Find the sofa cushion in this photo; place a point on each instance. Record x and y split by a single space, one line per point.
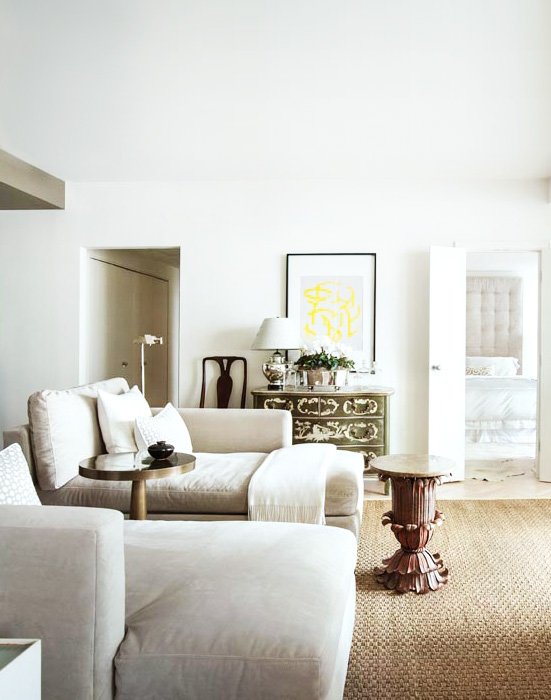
167 425
232 610
218 485
65 429
16 484
117 414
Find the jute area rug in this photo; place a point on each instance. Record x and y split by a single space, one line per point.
486 634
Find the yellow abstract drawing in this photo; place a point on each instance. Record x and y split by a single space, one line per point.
333 308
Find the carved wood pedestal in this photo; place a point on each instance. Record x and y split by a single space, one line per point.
412 520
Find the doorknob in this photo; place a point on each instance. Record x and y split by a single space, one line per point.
124 364
436 367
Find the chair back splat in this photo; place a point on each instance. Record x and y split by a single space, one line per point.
224 384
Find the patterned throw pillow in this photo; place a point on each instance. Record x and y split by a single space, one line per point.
16 484
479 371
167 425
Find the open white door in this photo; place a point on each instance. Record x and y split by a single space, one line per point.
447 355
544 403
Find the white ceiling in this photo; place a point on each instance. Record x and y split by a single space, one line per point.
124 90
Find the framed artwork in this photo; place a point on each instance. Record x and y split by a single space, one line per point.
333 295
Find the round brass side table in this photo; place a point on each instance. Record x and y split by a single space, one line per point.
412 519
137 467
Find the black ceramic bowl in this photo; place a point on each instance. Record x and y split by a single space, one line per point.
160 450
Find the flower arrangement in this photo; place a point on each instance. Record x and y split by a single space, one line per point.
324 354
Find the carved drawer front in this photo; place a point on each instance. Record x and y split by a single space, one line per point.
330 406
361 431
286 403
307 406
362 406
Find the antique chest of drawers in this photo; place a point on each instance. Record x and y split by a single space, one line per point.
352 418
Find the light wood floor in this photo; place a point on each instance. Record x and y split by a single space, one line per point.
522 486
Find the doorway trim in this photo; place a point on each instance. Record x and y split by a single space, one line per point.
543 249
175 301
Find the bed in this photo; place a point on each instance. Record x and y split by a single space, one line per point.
500 409
500 403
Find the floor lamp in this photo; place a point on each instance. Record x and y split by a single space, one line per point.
144 340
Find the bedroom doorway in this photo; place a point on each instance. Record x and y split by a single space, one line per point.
501 364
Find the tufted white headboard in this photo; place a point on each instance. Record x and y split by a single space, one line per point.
494 316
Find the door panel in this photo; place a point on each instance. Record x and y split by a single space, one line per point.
447 355
544 407
123 305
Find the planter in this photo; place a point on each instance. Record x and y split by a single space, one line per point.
325 377
318 377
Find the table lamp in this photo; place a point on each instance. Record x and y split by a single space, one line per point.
277 334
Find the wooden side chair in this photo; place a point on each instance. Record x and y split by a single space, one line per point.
224 384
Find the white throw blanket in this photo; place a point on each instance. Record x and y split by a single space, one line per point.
289 486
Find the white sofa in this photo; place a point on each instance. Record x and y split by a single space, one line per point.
229 445
165 610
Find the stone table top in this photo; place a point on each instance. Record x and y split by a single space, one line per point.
413 465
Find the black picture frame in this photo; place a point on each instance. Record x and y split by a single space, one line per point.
326 291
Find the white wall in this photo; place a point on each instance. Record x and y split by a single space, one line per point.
526 266
233 238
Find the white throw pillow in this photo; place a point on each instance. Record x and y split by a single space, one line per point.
117 414
167 425
16 484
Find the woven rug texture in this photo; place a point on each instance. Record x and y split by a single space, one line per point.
485 635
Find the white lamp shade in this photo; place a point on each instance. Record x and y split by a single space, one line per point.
277 334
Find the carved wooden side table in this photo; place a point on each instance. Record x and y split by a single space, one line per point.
412 520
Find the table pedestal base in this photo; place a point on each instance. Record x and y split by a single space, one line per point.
138 508
412 571
412 520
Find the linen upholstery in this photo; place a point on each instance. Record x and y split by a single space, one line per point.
65 429
237 429
249 597
211 430
344 488
62 581
218 484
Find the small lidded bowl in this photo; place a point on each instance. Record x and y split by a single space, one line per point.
160 450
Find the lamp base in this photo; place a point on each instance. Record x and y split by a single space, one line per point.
276 387
275 370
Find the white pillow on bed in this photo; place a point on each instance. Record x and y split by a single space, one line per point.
502 366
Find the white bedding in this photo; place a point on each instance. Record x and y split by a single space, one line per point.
500 409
